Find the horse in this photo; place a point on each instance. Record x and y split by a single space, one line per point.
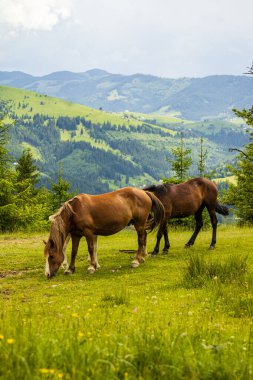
104 214
185 199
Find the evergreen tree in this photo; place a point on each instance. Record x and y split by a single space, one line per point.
8 208
4 159
202 159
241 193
60 191
181 162
26 168
20 206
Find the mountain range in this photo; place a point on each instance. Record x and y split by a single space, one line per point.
190 98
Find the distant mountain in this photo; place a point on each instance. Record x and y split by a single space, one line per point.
192 98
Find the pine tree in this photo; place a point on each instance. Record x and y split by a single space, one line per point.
26 168
241 193
181 162
202 159
4 158
60 191
20 205
8 208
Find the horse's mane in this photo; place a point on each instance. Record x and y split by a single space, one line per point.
158 189
58 232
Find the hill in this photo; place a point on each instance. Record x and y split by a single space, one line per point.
100 151
192 98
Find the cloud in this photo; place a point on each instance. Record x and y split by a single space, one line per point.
161 37
34 15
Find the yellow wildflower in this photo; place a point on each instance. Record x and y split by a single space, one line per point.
10 341
75 315
80 334
43 370
1 337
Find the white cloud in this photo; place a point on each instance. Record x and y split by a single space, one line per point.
162 37
34 15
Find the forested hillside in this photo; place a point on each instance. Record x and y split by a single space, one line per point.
100 151
192 98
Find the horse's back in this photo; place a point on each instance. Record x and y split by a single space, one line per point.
120 197
110 212
186 198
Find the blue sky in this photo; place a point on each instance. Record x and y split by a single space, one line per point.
161 37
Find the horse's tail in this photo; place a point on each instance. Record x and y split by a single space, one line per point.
157 213
221 209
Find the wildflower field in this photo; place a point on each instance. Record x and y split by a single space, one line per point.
185 315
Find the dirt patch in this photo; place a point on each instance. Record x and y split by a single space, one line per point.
14 273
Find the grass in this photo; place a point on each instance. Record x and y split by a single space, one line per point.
200 272
124 323
25 102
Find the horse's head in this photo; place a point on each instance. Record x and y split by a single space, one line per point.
54 258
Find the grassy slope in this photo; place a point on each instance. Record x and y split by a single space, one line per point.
56 107
122 323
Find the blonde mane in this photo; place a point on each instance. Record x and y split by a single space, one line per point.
58 231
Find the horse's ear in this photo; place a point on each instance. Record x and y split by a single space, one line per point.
44 241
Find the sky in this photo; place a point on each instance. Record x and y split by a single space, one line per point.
166 38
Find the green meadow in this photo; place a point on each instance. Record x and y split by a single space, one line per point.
25 102
185 315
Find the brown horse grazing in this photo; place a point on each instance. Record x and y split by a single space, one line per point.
185 199
105 214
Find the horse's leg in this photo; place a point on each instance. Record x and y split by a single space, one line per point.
65 261
158 239
214 222
166 240
92 248
142 249
75 245
198 226
96 251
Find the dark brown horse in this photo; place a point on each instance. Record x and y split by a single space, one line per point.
185 199
105 214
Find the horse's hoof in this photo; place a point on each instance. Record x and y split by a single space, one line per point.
165 252
68 271
135 264
211 247
91 269
142 260
188 245
98 266
154 253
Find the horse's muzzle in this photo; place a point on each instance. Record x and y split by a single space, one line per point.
51 275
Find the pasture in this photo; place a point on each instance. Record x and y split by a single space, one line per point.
185 315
